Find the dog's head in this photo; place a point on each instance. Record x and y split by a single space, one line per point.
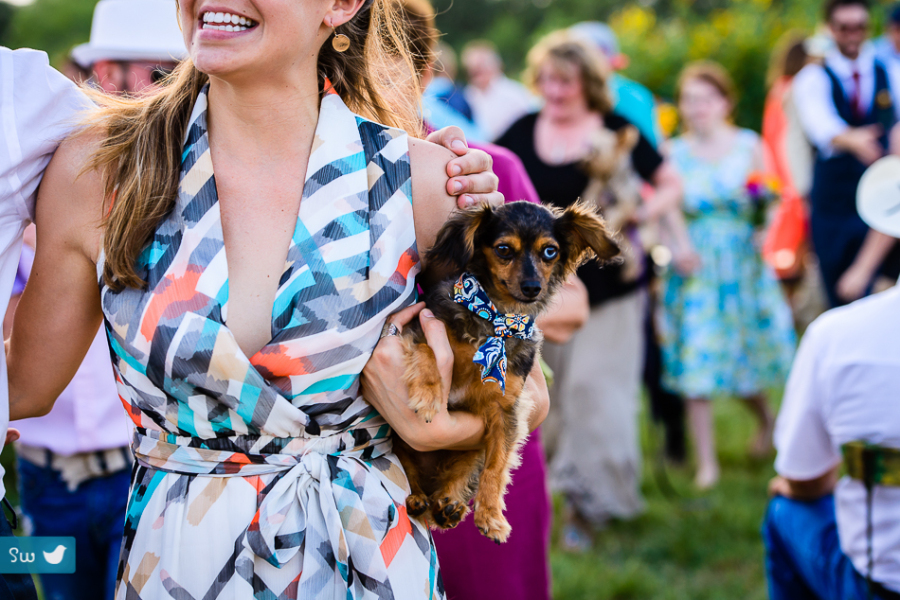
521 252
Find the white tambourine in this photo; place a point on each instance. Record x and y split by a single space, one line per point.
878 196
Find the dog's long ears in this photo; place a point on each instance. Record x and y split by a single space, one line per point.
455 244
584 227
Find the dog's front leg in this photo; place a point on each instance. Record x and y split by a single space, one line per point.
423 380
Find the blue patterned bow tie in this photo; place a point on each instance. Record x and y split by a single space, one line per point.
492 354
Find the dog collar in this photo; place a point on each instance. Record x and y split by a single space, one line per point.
491 355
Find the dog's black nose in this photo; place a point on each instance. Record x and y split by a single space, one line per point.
531 288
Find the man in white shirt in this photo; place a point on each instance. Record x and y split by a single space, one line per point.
496 100
847 108
842 396
38 108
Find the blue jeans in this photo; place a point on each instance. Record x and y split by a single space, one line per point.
94 514
14 586
804 560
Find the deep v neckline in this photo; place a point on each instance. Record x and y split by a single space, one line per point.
314 164
286 265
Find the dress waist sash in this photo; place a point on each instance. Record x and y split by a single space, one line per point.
323 479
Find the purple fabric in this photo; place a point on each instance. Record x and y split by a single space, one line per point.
473 567
514 181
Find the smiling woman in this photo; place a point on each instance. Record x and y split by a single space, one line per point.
263 214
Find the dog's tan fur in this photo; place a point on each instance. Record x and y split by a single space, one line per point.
502 248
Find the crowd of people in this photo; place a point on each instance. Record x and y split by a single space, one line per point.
253 456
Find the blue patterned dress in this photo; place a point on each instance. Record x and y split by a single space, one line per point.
726 329
269 476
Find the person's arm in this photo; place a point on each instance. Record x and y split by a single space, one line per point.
819 119
807 460
861 142
567 314
810 489
668 191
856 279
59 315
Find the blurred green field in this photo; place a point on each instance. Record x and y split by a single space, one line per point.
688 545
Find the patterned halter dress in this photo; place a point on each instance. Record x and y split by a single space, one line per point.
269 477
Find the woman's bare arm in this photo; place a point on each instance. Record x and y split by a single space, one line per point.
59 314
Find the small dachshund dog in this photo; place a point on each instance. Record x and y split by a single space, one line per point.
490 273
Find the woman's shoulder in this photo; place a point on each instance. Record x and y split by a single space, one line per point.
677 146
73 164
747 136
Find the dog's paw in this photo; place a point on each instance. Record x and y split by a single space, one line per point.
492 524
426 400
448 513
417 504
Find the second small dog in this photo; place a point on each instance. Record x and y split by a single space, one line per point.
490 273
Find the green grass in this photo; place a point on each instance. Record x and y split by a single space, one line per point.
687 545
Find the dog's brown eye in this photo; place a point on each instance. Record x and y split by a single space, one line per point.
503 251
550 252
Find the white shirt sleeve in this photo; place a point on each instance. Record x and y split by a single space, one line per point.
39 107
893 73
805 449
815 108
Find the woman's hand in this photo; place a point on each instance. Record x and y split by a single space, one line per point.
568 312
471 179
686 262
853 283
383 386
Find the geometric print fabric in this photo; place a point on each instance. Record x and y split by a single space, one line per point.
269 476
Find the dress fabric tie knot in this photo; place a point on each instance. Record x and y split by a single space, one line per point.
320 484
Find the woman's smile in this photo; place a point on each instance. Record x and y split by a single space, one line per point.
220 23
226 21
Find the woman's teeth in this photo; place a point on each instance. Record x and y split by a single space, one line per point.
226 22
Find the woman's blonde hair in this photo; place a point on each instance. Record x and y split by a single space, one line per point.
711 73
561 47
140 155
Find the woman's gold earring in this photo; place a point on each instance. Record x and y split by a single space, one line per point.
339 42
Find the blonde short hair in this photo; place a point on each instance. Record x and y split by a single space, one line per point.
561 47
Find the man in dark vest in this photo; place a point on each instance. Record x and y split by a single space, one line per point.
847 108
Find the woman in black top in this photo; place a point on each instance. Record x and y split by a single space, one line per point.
596 456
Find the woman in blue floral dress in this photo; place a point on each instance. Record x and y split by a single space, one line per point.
727 329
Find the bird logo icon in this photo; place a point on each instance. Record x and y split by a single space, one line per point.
55 557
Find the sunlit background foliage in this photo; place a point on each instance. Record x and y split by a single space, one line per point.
659 36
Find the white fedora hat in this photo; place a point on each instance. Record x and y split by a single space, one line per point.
133 30
878 196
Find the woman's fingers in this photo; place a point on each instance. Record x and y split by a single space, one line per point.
436 336
451 138
402 318
473 181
